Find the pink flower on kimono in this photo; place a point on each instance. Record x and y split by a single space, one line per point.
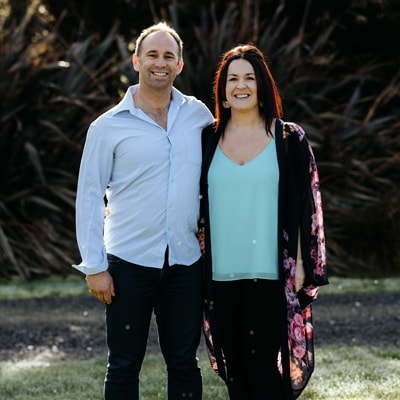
298 319
299 351
309 330
314 223
297 328
285 236
298 333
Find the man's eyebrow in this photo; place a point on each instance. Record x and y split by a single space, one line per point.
169 53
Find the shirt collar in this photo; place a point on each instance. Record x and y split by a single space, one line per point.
126 104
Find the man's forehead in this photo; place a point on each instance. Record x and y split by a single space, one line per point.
159 40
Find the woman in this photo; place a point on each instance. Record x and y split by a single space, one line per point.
262 235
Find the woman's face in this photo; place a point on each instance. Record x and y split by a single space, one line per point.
241 86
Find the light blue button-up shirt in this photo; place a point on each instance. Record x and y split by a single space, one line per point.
150 177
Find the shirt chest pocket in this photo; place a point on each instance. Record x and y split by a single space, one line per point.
187 147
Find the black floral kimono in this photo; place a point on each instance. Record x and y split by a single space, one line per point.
299 206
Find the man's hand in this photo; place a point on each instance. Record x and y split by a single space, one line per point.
101 286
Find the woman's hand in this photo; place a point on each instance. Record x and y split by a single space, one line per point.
300 276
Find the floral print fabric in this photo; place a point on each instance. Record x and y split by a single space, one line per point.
299 181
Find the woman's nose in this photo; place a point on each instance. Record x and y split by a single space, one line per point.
241 83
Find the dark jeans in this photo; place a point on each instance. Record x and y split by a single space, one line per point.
247 313
174 294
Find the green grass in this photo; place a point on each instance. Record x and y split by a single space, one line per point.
75 285
53 286
361 285
341 373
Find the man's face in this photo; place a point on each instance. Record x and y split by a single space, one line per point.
158 63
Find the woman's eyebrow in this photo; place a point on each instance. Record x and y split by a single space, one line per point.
246 74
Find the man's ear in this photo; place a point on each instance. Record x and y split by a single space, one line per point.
179 67
135 62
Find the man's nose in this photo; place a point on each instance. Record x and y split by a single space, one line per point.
161 61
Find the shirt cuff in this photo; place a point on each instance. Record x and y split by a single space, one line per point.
90 270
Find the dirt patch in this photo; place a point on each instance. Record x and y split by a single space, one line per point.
53 329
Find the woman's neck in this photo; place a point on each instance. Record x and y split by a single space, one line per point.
245 120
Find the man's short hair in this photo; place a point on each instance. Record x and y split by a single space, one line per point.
159 27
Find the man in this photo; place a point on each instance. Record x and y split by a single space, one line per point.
144 157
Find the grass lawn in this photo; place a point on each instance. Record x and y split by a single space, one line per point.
341 373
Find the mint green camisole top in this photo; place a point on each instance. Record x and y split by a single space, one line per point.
243 201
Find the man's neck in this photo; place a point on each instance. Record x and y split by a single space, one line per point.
154 104
152 98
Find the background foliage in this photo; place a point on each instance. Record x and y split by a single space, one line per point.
63 63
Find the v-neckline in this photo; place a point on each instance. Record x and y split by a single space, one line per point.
248 161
